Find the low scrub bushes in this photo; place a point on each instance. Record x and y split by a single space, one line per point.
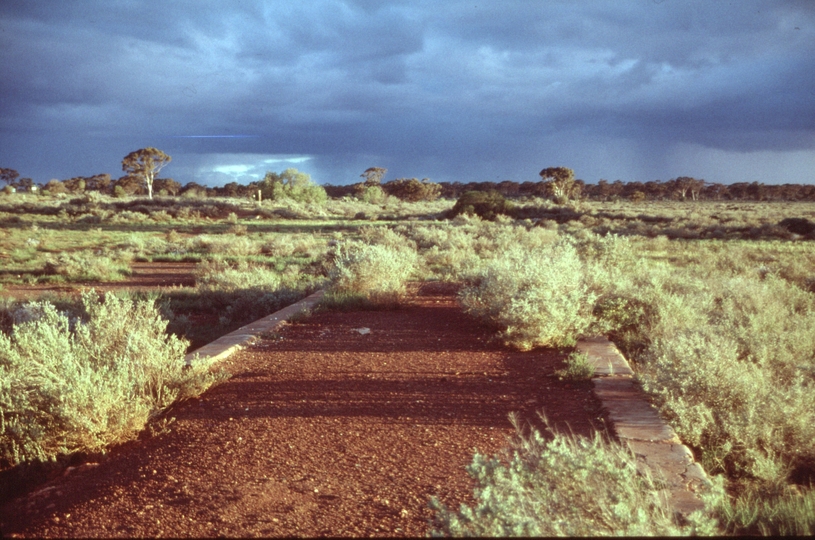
538 298
378 272
790 513
569 486
217 275
70 385
225 244
86 266
229 295
578 368
484 204
733 373
297 245
225 311
722 337
412 190
458 248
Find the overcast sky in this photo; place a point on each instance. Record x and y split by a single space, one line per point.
446 89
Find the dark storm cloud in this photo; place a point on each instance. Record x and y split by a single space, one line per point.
450 90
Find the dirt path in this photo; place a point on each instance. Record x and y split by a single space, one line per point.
145 276
325 431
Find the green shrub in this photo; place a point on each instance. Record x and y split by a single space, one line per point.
569 486
538 298
225 244
721 335
484 204
70 385
790 513
219 275
297 245
412 190
371 194
85 266
379 272
625 320
731 371
293 185
578 368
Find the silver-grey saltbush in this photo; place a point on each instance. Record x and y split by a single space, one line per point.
378 271
71 385
568 486
539 298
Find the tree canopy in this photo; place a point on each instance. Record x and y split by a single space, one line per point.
291 184
8 175
560 183
145 163
373 175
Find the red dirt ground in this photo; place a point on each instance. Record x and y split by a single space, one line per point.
322 431
145 276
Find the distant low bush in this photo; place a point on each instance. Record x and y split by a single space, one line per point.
225 244
220 276
377 272
293 185
370 194
800 226
84 266
484 204
412 190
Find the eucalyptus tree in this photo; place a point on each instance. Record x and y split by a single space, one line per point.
560 183
146 164
373 175
8 175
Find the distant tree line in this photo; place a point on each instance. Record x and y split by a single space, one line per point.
557 183
682 188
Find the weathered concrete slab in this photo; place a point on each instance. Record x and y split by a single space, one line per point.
639 425
605 356
232 342
633 417
673 464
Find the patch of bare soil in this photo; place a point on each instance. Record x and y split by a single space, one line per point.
145 276
325 430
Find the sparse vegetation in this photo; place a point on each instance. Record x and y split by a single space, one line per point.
578 368
565 486
712 301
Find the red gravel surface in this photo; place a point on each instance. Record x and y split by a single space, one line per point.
327 429
145 276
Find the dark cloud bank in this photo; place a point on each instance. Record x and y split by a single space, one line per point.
454 90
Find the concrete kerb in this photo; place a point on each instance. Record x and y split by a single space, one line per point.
639 425
232 342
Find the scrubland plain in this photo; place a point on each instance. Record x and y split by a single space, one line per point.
712 301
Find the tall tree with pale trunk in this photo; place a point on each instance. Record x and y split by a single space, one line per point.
560 183
145 163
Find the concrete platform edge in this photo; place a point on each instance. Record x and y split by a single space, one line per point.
227 345
638 425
